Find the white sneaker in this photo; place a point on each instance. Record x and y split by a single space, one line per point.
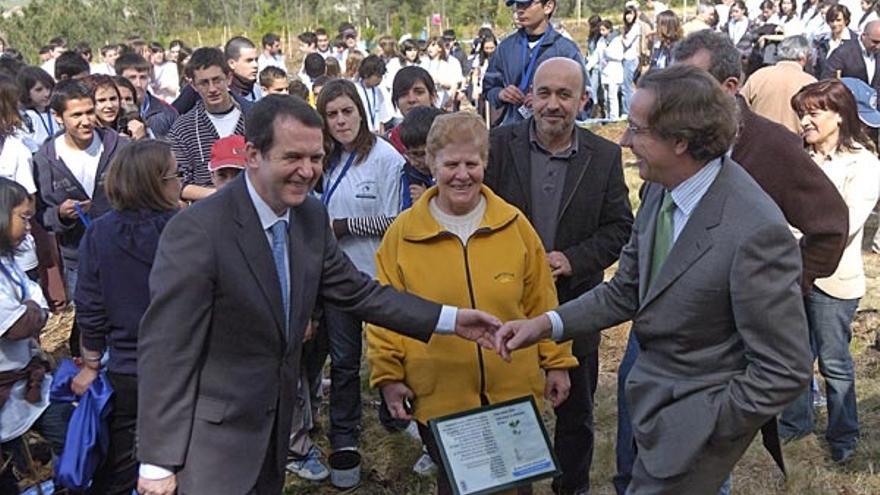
424 466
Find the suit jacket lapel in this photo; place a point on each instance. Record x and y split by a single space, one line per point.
575 172
254 246
650 206
521 151
694 240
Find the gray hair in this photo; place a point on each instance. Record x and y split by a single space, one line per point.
793 48
726 61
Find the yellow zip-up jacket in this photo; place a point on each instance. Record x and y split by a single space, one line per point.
501 270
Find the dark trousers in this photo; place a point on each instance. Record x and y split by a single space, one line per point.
118 474
574 435
443 487
343 334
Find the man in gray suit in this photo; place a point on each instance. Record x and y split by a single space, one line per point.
233 286
710 279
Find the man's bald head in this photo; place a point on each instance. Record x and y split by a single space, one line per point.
559 68
871 37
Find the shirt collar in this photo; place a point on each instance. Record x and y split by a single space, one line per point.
566 153
689 193
268 218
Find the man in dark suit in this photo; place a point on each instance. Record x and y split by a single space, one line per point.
569 183
234 282
857 60
711 281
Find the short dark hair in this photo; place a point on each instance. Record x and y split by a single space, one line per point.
320 31
27 78
269 39
177 43
690 105
725 59
58 42
70 89
136 176
271 73
156 47
298 88
134 61
835 10
10 66
206 57
12 194
69 65
45 49
233 47
260 123
83 49
407 77
314 65
346 26
415 126
371 66
121 81
308 38
107 48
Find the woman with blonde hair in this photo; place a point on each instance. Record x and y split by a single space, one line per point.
493 260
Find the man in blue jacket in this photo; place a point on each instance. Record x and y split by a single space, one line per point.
508 78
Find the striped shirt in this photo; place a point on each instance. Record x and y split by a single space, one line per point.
688 194
192 136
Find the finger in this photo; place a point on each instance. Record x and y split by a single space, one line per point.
556 271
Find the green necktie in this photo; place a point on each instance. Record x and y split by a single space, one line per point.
662 235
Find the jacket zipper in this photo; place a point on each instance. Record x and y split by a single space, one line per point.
484 400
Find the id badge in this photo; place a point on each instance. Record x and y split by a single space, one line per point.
525 111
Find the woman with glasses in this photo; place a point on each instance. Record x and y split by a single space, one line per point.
112 292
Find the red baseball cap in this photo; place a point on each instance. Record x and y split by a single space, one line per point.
228 152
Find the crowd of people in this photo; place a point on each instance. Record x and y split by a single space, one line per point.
222 223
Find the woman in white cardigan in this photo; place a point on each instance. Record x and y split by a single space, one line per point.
834 137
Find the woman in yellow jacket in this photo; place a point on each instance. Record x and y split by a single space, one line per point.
462 245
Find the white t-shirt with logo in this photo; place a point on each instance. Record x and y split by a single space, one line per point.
368 189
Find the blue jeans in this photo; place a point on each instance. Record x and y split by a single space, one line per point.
344 338
625 448
830 322
629 74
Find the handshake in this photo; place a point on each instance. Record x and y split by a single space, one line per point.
490 333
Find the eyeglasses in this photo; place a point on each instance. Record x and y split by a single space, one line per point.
634 129
175 175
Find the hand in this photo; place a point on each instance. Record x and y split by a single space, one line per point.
559 264
473 324
136 129
517 334
340 227
527 100
68 211
311 330
511 94
164 486
416 191
556 386
83 380
395 393
31 305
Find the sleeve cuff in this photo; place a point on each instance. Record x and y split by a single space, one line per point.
556 323
152 472
446 322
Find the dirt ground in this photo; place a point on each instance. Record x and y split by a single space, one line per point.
388 458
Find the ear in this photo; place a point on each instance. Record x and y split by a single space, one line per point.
731 86
681 147
58 118
253 156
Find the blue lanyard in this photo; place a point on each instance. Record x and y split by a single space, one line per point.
530 68
47 124
146 105
325 198
83 216
369 105
19 279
